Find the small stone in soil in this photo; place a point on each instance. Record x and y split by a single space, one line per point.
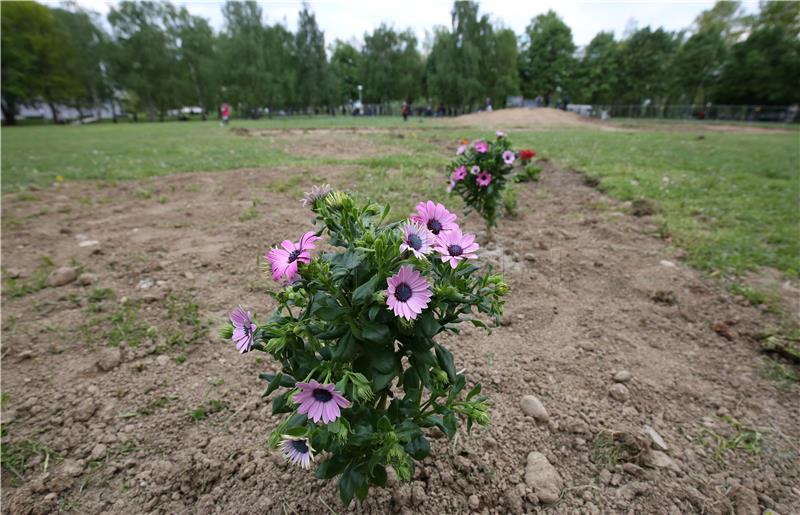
61 276
543 478
619 392
623 376
658 442
532 406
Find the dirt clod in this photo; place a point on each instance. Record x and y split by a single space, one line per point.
62 275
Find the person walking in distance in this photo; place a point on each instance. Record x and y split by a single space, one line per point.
225 111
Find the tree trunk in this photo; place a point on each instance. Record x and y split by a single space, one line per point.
53 112
9 113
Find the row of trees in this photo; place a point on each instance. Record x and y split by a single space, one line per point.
157 56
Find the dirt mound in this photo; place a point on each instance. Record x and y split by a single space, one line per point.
524 118
117 398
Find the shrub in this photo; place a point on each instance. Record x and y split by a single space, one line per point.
355 332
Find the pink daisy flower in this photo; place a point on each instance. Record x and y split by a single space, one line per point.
459 173
483 179
500 134
297 450
461 149
454 246
408 293
320 401
243 329
284 261
481 146
475 170
509 157
416 239
435 217
316 193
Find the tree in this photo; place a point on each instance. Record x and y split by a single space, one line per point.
646 65
145 56
243 70
501 77
311 62
88 43
391 66
546 59
698 64
345 71
197 60
36 63
599 71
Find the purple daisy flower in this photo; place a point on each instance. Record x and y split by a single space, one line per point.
316 193
435 217
243 329
509 157
483 179
320 401
408 293
416 239
284 261
475 170
481 146
298 450
459 173
451 185
500 134
461 149
454 246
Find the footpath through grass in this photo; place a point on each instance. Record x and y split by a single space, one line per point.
732 200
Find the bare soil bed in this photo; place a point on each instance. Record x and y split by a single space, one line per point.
604 324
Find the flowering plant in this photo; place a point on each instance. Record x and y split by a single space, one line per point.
480 173
361 373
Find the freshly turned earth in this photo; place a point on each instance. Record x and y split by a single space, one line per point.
582 273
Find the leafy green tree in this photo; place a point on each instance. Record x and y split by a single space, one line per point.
724 18
599 71
345 70
145 59
501 77
763 69
698 64
36 64
546 59
242 67
391 66
646 60
197 60
311 63
88 43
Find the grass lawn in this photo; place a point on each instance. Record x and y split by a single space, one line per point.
730 199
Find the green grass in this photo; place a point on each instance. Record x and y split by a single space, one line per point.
730 199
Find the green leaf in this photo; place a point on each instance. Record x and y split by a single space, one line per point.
419 447
330 467
280 404
353 483
379 476
345 349
445 359
428 324
375 332
475 391
363 293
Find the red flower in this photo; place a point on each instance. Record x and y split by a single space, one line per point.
527 155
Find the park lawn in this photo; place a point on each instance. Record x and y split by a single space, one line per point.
731 200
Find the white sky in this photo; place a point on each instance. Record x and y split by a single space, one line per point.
345 19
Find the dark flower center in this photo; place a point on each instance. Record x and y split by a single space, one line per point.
434 226
322 395
455 250
414 241
402 292
247 330
293 256
300 446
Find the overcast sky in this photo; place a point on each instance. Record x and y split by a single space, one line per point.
345 19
